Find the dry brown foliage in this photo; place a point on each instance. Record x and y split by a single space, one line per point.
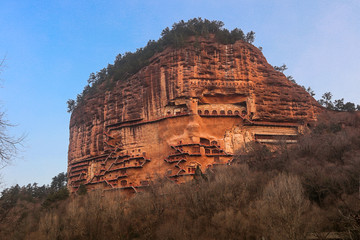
279 193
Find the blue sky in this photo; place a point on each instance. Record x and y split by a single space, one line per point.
51 47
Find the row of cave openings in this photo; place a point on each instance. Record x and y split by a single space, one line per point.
225 84
222 112
213 112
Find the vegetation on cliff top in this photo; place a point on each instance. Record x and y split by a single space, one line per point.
326 98
130 63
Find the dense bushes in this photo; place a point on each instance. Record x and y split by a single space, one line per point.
21 207
130 63
278 192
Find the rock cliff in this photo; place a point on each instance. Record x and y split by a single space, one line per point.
189 109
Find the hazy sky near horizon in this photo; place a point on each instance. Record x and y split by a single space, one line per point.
51 47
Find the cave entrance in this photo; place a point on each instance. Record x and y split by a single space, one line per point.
204 141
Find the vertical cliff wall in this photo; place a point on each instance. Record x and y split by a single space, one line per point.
188 109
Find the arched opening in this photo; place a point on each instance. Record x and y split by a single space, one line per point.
236 112
229 112
214 143
204 141
243 113
206 112
222 112
123 183
214 112
199 112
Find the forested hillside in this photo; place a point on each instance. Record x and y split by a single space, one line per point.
279 192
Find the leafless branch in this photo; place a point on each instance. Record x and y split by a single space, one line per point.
9 145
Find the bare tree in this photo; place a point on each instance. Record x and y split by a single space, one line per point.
282 208
8 144
2 61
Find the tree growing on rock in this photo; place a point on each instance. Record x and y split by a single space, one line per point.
282 68
71 104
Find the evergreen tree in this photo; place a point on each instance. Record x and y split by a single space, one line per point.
71 104
282 68
250 37
349 107
58 182
130 63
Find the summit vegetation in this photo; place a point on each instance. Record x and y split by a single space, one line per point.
326 99
130 63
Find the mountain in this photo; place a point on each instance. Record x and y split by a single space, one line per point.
188 109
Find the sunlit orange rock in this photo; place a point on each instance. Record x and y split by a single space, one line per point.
188 108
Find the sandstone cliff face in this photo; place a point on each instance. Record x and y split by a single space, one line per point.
189 109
